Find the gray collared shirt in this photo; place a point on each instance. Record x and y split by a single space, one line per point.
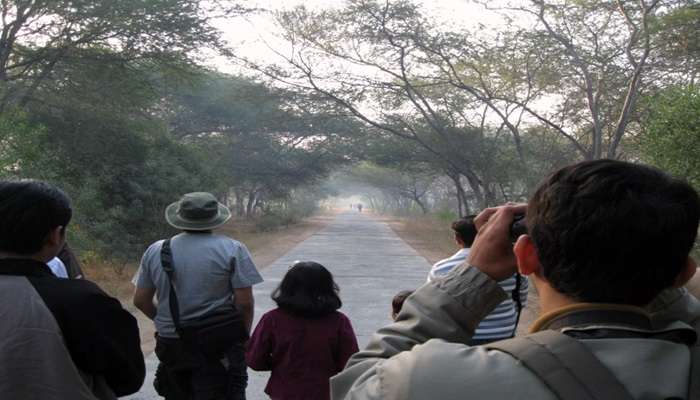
203 278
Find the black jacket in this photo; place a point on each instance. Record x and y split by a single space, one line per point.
101 337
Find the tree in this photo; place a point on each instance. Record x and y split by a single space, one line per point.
341 36
603 51
104 100
399 73
38 35
113 157
671 138
573 69
258 168
264 142
677 43
402 189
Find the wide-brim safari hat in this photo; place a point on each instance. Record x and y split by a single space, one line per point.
198 211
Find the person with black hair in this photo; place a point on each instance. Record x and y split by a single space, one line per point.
71 263
59 338
305 340
464 233
503 320
608 250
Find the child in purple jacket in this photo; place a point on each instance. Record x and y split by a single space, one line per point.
305 340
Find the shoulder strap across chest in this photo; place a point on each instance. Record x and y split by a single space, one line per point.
565 365
571 371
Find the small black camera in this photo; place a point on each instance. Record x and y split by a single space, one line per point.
518 227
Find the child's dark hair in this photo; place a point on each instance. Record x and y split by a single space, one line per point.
397 301
307 290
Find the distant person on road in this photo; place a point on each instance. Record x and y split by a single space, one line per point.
305 340
59 338
205 302
608 250
502 322
397 302
359 207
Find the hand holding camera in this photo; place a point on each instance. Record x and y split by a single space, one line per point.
498 228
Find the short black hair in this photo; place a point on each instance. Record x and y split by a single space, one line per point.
398 300
465 229
611 231
29 210
307 290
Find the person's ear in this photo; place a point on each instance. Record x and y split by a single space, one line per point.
56 236
687 273
526 255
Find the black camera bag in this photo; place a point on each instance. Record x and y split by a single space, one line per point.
212 334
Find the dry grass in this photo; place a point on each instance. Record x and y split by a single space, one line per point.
114 279
429 236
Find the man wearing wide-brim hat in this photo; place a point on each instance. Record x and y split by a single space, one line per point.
210 274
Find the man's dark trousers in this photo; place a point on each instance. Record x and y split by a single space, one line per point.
183 375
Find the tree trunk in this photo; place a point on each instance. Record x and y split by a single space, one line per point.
240 207
460 210
252 197
462 203
475 185
489 196
420 204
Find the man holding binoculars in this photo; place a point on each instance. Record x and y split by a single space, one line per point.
608 249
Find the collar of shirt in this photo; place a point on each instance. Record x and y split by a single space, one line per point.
611 317
463 252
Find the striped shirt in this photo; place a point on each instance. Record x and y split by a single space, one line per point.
500 324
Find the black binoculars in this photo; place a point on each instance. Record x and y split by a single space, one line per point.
518 227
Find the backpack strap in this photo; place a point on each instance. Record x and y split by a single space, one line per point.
515 295
166 261
568 368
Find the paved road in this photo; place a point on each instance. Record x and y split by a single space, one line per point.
370 264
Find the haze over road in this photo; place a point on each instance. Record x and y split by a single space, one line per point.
370 264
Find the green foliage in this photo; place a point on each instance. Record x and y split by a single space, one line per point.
678 42
299 204
105 99
112 134
671 137
23 144
79 93
40 36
